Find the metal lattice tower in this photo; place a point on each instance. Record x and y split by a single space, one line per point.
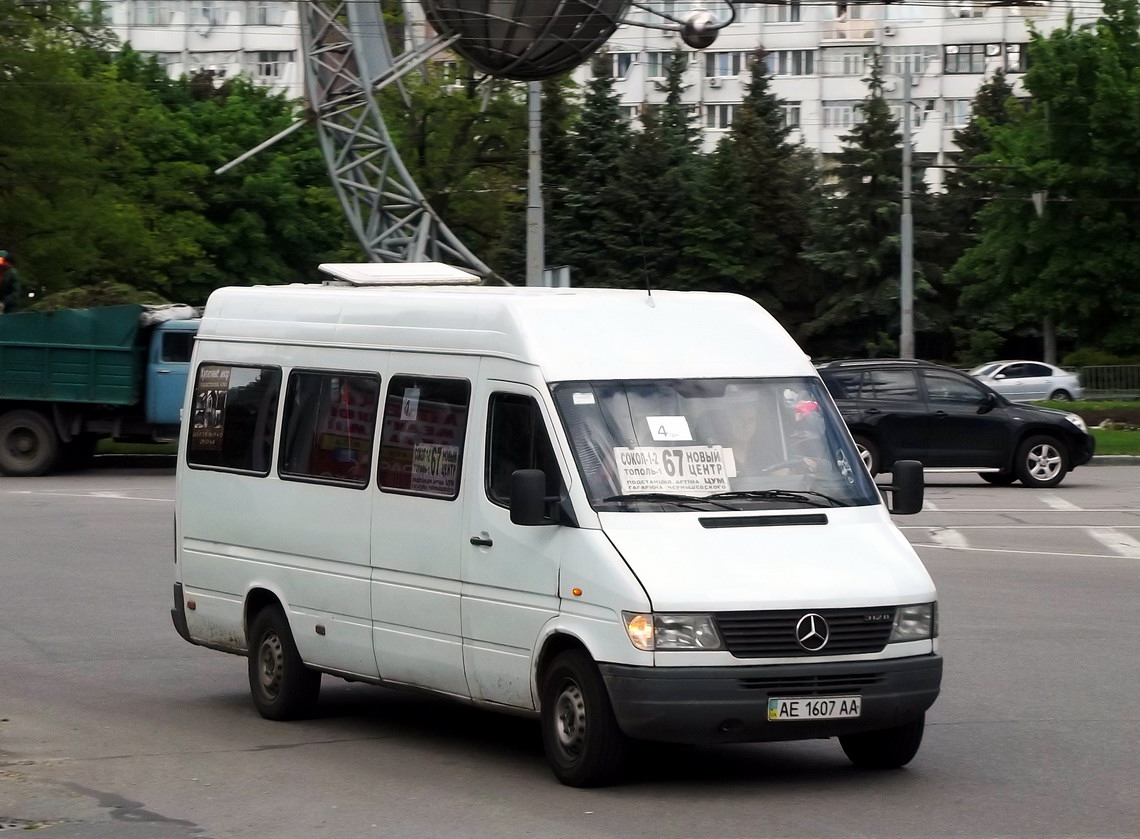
347 61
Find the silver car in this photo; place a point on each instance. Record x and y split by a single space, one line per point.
1029 381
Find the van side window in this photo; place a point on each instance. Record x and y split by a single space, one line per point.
232 417
517 439
328 427
177 346
421 441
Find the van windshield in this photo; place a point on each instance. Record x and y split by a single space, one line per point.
709 444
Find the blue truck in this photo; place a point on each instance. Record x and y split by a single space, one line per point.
70 378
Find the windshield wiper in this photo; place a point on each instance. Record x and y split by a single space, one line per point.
669 498
783 495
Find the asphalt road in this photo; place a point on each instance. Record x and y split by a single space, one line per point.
111 726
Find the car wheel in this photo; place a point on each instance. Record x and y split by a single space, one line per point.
1061 396
998 479
889 748
868 454
581 737
1041 461
29 446
283 688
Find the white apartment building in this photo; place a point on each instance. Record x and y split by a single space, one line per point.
260 38
818 53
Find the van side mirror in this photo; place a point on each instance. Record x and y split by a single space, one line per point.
528 497
907 487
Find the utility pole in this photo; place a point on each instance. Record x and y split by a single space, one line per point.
535 233
906 245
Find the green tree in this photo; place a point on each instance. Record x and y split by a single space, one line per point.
752 208
1079 141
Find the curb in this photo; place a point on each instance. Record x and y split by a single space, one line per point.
1114 460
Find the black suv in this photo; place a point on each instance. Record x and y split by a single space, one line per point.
915 410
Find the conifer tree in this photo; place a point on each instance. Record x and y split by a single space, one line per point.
752 206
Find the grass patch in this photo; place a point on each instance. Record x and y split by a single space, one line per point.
111 447
1116 442
1094 413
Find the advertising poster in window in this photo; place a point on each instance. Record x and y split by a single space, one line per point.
208 418
421 454
435 469
350 417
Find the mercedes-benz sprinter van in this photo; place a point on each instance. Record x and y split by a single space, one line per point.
636 516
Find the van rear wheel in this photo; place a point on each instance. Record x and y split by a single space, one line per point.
581 737
283 688
889 748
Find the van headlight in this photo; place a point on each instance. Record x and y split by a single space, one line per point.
671 632
1076 420
915 623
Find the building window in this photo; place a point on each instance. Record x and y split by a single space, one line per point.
904 11
790 62
269 13
152 13
232 418
967 10
271 64
914 60
841 114
791 114
958 112
918 111
211 12
620 62
1016 58
721 64
328 427
421 444
967 58
657 63
786 12
517 439
720 117
844 62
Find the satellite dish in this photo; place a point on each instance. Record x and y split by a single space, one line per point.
526 40
700 29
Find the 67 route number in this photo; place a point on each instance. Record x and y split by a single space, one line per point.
813 708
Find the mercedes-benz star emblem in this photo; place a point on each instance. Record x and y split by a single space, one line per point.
812 632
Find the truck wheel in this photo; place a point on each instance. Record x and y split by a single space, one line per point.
581 737
1041 461
283 688
886 749
28 444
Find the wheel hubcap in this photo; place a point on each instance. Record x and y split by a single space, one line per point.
21 443
1044 462
271 664
570 719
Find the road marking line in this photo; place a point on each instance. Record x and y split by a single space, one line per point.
1059 503
113 496
1022 527
948 537
929 505
1011 551
1115 541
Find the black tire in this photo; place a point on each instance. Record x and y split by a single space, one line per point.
869 454
29 446
1042 461
283 688
1061 396
998 479
581 737
889 748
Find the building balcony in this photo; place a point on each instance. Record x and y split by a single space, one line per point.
848 31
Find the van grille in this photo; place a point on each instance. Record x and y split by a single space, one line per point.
813 685
773 634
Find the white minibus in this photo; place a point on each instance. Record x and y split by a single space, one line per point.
636 516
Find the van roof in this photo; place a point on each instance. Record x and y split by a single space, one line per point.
569 333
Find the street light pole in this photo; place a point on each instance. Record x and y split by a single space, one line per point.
906 244
535 233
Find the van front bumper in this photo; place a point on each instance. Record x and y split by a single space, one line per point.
730 704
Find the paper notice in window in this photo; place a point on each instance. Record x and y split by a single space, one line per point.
686 470
410 404
669 429
435 469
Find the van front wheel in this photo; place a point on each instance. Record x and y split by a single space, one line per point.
889 748
581 737
283 688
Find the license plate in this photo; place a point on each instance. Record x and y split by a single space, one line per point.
813 708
